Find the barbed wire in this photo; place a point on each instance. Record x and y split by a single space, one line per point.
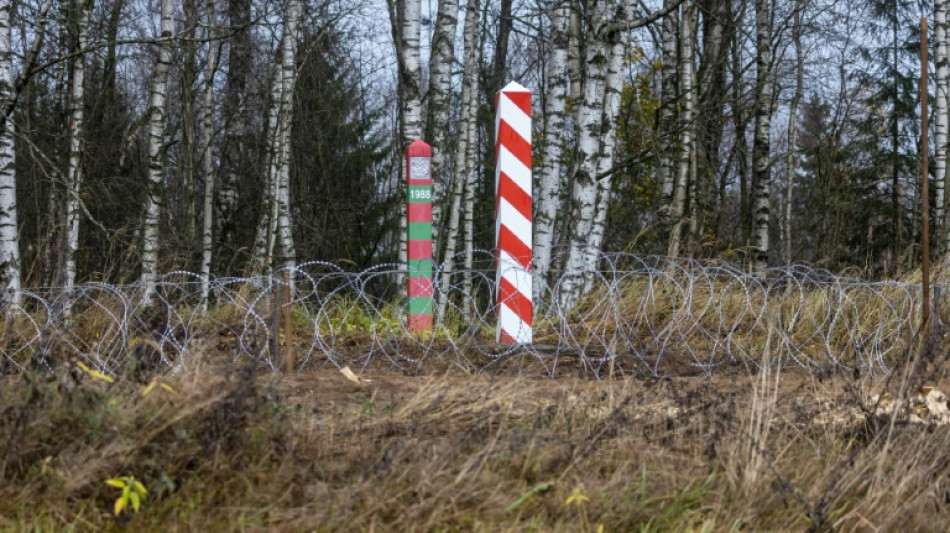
649 315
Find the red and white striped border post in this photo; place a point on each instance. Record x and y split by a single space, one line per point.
419 234
513 217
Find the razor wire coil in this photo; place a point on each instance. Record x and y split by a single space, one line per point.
643 312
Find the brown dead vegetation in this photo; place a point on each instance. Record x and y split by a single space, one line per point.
237 449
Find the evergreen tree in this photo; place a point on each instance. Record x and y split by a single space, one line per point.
890 85
339 159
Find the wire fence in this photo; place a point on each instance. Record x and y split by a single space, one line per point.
648 315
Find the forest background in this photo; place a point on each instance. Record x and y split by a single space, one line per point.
230 137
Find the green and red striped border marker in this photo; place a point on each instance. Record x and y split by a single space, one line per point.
419 234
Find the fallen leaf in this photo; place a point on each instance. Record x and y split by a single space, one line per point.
348 374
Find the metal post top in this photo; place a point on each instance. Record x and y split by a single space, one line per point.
419 148
514 87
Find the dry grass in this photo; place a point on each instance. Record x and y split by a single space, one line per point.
234 450
822 324
696 318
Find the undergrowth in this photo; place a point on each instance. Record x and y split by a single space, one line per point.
220 445
221 449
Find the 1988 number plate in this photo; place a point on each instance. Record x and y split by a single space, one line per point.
420 193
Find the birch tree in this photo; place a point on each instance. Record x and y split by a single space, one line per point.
75 173
275 225
288 80
156 152
711 91
584 193
406 27
942 100
9 93
575 48
267 225
9 245
465 168
761 178
596 118
687 129
550 179
28 62
617 45
440 91
468 223
207 159
670 96
791 152
740 123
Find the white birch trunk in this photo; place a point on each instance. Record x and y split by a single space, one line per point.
553 145
605 158
74 173
266 228
207 160
156 152
9 245
471 175
940 128
670 97
585 191
710 95
274 229
288 80
596 120
687 126
406 33
575 49
761 142
575 75
791 153
465 151
471 179
440 93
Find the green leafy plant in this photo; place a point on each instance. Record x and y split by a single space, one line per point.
133 492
